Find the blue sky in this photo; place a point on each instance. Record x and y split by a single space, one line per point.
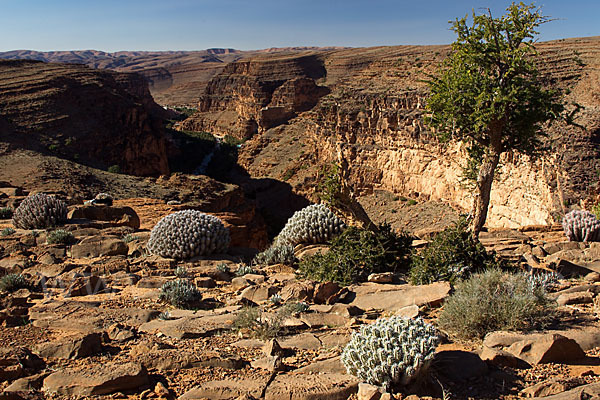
113 25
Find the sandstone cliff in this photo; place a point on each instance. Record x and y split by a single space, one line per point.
372 117
98 118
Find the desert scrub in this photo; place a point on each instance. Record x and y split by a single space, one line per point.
259 324
496 300
276 254
180 293
13 282
452 254
7 231
60 236
6 213
390 351
357 253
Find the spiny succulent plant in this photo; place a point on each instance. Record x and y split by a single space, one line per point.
40 211
390 351
313 224
281 254
581 226
188 233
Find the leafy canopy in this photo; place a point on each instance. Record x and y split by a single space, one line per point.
489 91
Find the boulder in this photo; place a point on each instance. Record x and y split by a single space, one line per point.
575 298
548 348
116 216
227 389
96 379
392 298
589 391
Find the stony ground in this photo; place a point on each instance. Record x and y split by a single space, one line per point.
93 325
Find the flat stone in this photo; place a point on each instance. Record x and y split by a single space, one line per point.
240 282
205 282
544 389
549 348
345 310
575 298
303 341
408 312
228 389
96 379
97 246
296 290
269 363
190 327
368 392
117 216
330 365
88 285
589 391
587 338
317 320
328 386
27 384
152 282
71 348
392 298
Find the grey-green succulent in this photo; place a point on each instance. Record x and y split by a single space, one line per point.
188 233
40 211
313 224
390 351
581 226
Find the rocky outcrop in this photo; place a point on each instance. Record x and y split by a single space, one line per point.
248 97
98 118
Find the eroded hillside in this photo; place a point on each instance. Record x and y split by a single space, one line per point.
98 118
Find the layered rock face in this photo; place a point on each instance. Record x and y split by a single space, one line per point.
98 118
373 119
251 96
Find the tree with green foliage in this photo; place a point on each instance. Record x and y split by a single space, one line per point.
489 93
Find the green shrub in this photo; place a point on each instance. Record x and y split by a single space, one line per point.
496 300
114 169
6 213
13 282
258 323
357 253
7 231
452 254
60 236
180 293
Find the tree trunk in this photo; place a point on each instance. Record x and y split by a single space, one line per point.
485 177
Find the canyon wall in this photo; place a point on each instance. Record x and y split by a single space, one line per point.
368 110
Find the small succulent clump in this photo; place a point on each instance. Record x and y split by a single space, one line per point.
130 238
244 269
313 224
40 211
222 267
180 293
276 254
390 351
60 236
7 231
181 272
6 213
275 299
296 307
13 282
188 233
581 226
